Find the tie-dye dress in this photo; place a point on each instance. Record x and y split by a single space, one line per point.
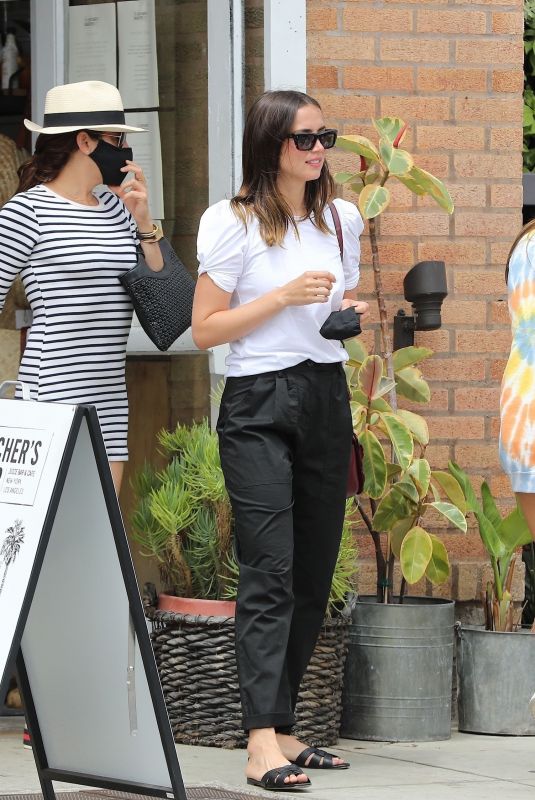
517 402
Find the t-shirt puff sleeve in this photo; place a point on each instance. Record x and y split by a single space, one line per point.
221 243
352 227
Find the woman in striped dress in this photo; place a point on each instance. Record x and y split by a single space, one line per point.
71 237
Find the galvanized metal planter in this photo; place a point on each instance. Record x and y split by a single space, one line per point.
398 675
496 679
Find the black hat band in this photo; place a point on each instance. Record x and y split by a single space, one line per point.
83 118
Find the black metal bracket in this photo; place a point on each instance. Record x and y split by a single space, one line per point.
404 328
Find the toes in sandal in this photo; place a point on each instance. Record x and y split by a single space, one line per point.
274 779
314 758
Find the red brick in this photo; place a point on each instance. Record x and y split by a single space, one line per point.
438 341
483 341
477 399
506 139
437 165
500 486
319 77
489 110
469 223
499 251
379 78
450 137
512 22
420 224
481 165
409 108
509 195
445 79
508 80
458 252
489 51
321 18
439 402
463 312
345 106
340 48
443 22
500 312
454 368
414 50
477 456
479 282
398 253
374 19
455 427
497 366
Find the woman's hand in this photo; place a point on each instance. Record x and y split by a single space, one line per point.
359 305
134 195
310 287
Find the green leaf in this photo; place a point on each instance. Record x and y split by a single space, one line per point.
398 532
359 145
393 507
420 472
452 514
408 489
433 187
514 531
397 162
392 470
356 350
489 536
400 436
408 356
358 415
373 200
472 503
416 424
344 177
411 184
438 569
415 554
388 127
451 488
411 385
490 509
385 385
374 465
370 375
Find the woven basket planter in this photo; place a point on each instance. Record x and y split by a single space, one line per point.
197 667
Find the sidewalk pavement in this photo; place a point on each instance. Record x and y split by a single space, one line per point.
466 767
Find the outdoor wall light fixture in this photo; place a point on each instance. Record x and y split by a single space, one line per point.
425 287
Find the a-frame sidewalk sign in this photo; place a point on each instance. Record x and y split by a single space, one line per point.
71 618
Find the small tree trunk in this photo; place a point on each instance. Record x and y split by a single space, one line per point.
386 342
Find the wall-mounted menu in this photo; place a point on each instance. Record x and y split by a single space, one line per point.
92 43
138 65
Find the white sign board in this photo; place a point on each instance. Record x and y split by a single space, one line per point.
70 609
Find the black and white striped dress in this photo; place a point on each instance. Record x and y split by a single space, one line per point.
70 257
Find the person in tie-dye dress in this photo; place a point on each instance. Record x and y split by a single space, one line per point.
517 401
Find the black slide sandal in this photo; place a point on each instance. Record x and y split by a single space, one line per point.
314 758
273 780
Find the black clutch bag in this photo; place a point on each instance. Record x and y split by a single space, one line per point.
162 300
341 325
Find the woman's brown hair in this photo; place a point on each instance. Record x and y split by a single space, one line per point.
268 124
52 151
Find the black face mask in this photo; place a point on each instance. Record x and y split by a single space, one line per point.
109 159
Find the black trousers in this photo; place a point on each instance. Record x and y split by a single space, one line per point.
284 443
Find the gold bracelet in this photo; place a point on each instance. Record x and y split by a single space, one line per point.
153 236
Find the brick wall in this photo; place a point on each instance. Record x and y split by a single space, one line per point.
453 70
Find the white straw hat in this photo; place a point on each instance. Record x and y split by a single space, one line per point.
88 105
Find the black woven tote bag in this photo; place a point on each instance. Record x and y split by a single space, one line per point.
162 300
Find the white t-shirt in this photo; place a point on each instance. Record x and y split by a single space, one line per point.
239 262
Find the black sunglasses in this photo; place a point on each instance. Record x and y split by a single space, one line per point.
306 141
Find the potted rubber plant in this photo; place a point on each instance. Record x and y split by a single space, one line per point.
495 672
399 667
183 520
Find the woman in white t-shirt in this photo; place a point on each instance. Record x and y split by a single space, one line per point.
270 275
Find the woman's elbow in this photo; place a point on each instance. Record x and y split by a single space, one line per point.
201 338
